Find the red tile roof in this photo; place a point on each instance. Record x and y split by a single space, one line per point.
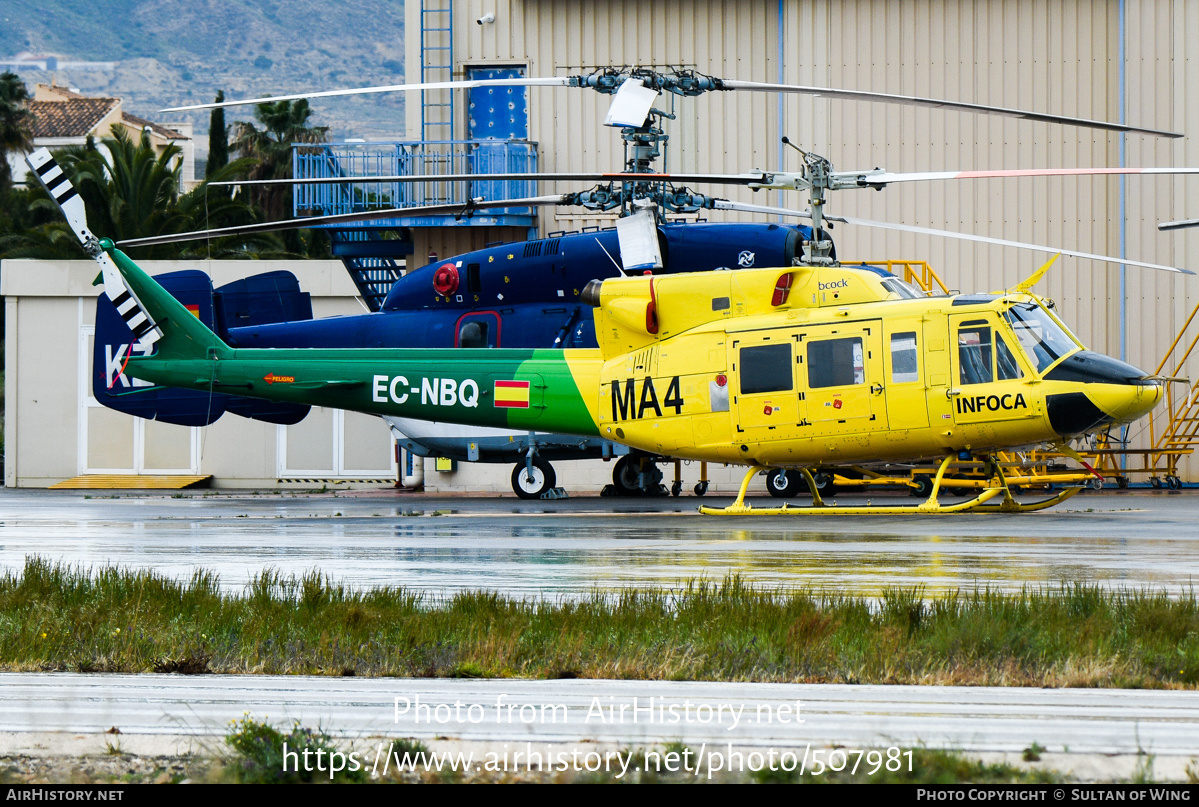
161 131
73 117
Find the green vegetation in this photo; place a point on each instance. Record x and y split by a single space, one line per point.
132 191
56 618
16 122
259 755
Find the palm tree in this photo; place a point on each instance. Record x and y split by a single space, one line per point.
133 192
16 123
284 123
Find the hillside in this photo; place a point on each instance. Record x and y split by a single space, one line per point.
169 52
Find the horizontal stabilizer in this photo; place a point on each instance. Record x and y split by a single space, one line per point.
261 300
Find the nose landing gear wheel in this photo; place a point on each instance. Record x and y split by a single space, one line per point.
783 485
530 483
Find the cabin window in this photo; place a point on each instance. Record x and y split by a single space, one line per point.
904 366
1005 362
473 283
766 368
836 363
473 334
974 355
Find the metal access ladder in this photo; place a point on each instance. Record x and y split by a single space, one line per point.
436 64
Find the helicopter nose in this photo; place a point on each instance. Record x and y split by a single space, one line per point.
1124 403
1111 392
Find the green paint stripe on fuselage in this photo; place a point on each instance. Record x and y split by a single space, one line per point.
450 385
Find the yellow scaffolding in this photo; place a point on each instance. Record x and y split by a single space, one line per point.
1174 433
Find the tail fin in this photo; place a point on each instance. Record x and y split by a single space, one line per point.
183 335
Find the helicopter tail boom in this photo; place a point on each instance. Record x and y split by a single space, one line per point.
506 388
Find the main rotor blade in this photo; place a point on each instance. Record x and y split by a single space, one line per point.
1178 225
886 178
931 103
463 208
726 179
723 84
724 204
429 85
982 239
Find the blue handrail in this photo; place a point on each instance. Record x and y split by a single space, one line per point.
410 158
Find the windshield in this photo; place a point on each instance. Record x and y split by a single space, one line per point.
904 290
1041 339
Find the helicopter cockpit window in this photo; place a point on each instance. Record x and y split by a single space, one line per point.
905 291
766 368
1041 339
1005 363
974 355
904 365
836 363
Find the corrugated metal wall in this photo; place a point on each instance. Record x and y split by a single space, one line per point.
1060 56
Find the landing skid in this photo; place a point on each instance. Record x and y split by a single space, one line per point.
998 485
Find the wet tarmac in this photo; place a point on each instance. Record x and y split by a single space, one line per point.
574 547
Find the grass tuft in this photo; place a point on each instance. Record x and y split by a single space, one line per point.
55 617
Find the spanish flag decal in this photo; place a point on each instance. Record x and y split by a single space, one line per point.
194 309
512 394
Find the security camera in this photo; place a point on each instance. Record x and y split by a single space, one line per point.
486 18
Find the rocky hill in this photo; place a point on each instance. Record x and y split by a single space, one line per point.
170 52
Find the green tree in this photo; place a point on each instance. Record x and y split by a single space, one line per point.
16 123
284 123
218 139
132 191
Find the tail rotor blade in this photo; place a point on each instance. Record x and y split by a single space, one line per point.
54 179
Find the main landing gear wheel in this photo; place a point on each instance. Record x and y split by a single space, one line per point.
824 484
637 476
783 485
624 477
530 483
